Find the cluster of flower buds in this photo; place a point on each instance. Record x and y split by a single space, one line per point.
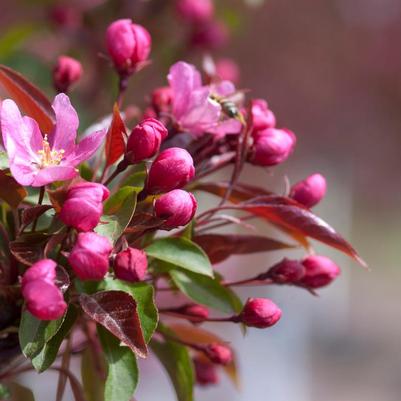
43 298
84 205
131 265
271 146
310 191
90 255
128 45
66 72
314 271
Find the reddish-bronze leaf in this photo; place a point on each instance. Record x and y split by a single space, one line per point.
298 219
31 99
221 246
32 213
115 145
28 248
62 279
10 191
117 312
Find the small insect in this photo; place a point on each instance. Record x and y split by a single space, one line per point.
230 109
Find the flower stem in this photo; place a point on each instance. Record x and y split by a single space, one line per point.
40 201
119 169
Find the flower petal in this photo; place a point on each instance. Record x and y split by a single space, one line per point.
86 148
183 79
222 128
67 122
51 174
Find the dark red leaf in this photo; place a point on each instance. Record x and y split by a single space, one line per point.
221 246
117 312
28 249
115 145
10 191
293 216
62 279
31 214
31 99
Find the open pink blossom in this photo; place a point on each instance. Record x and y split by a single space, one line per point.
37 160
194 108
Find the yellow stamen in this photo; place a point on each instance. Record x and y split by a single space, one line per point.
49 157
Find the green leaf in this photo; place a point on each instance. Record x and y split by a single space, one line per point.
90 372
182 253
35 333
143 294
177 362
206 291
48 354
122 375
116 201
5 393
113 226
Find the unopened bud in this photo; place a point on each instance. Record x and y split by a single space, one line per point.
205 372
219 354
66 72
310 191
272 146
90 256
210 35
228 70
286 271
194 311
83 207
145 139
262 116
128 45
131 265
260 313
162 99
319 271
177 207
195 11
172 169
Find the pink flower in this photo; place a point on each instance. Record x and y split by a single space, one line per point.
131 265
173 168
195 11
260 313
90 256
310 191
145 140
178 207
43 298
193 107
36 160
272 146
128 45
319 271
66 72
262 116
84 205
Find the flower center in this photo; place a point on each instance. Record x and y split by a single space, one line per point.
49 157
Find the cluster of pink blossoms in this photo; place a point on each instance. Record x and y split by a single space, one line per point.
191 128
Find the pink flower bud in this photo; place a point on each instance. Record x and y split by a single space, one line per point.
43 298
272 146
198 312
260 313
205 372
45 301
195 11
83 207
128 45
210 35
65 16
44 270
228 70
90 256
66 72
162 99
319 271
219 353
145 139
178 207
262 116
310 191
173 168
286 271
131 265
